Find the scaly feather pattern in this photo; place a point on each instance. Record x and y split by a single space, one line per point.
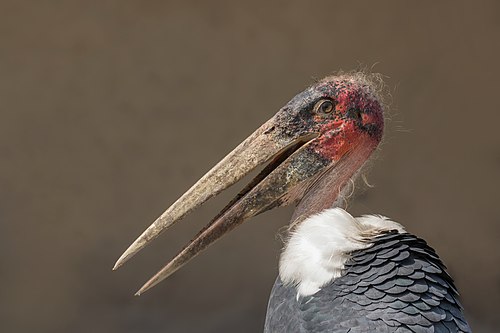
399 284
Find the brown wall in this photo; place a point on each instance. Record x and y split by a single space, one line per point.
109 110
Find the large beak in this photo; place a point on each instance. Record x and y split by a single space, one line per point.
292 163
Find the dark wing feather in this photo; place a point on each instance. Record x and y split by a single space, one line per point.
397 285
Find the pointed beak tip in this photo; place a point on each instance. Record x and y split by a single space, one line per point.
148 285
159 225
132 250
123 259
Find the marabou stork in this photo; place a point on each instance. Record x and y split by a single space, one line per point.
337 273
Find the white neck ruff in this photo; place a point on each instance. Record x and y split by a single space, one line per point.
319 246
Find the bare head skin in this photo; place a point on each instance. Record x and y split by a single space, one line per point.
313 145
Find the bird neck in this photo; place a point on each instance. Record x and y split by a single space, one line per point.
319 246
329 188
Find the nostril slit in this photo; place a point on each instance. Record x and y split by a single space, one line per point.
269 130
355 114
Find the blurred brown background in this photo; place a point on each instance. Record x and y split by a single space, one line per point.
112 109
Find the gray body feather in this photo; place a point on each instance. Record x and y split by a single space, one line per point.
397 285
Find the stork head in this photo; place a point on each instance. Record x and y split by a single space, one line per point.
313 146
343 112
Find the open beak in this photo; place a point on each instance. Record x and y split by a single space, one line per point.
291 163
306 152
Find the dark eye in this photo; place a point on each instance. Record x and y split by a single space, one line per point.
324 106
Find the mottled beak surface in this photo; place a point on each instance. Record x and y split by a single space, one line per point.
320 138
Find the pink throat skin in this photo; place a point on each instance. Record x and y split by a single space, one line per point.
327 189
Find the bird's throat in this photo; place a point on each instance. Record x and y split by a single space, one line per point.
331 188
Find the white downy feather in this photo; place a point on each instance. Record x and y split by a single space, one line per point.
318 248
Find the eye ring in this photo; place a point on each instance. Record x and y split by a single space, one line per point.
324 106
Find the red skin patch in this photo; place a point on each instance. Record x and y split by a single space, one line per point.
343 133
